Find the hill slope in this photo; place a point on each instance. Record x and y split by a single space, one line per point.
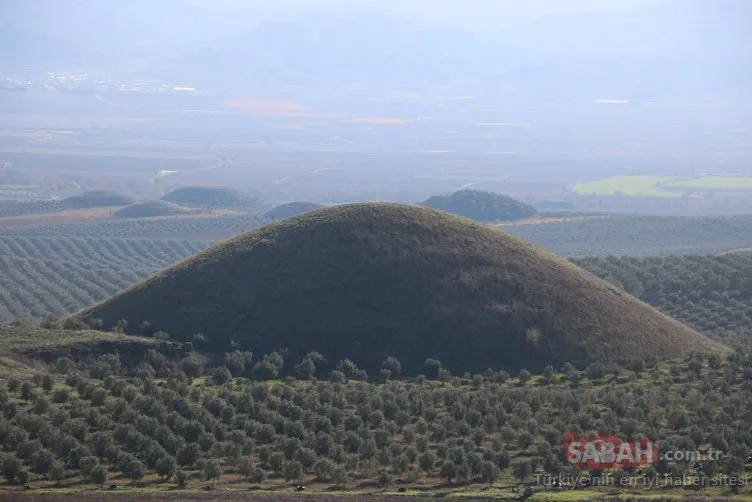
97 198
210 197
481 206
367 281
291 209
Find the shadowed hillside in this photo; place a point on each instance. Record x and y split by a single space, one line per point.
367 281
209 197
481 206
97 198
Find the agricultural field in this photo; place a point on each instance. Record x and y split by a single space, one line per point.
54 218
626 185
714 182
661 186
170 424
708 293
639 235
192 227
43 276
60 268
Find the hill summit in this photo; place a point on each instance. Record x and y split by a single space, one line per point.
367 281
482 206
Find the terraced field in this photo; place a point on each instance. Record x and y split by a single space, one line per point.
40 276
210 227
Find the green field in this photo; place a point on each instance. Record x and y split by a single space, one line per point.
627 185
719 182
653 186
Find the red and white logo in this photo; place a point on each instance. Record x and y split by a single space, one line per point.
606 452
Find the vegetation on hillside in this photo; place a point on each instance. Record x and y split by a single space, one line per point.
481 206
152 208
171 420
596 235
713 294
97 198
370 280
640 236
210 197
203 227
12 208
56 275
44 276
291 209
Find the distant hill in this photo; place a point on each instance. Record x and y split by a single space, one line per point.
328 48
367 281
481 206
152 208
291 209
97 198
35 52
210 197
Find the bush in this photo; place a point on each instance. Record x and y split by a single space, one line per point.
221 375
257 476
181 479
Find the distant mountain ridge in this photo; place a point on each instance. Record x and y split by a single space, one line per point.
34 52
690 47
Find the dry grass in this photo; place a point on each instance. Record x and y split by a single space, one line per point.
37 220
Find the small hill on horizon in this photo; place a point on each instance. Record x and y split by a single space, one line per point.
210 197
291 209
368 281
153 208
481 206
97 198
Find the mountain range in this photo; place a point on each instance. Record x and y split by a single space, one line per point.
690 47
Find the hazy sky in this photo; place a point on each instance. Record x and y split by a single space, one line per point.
484 14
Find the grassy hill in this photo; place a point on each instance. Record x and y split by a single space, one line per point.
97 198
210 197
151 209
54 275
291 209
367 281
481 206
